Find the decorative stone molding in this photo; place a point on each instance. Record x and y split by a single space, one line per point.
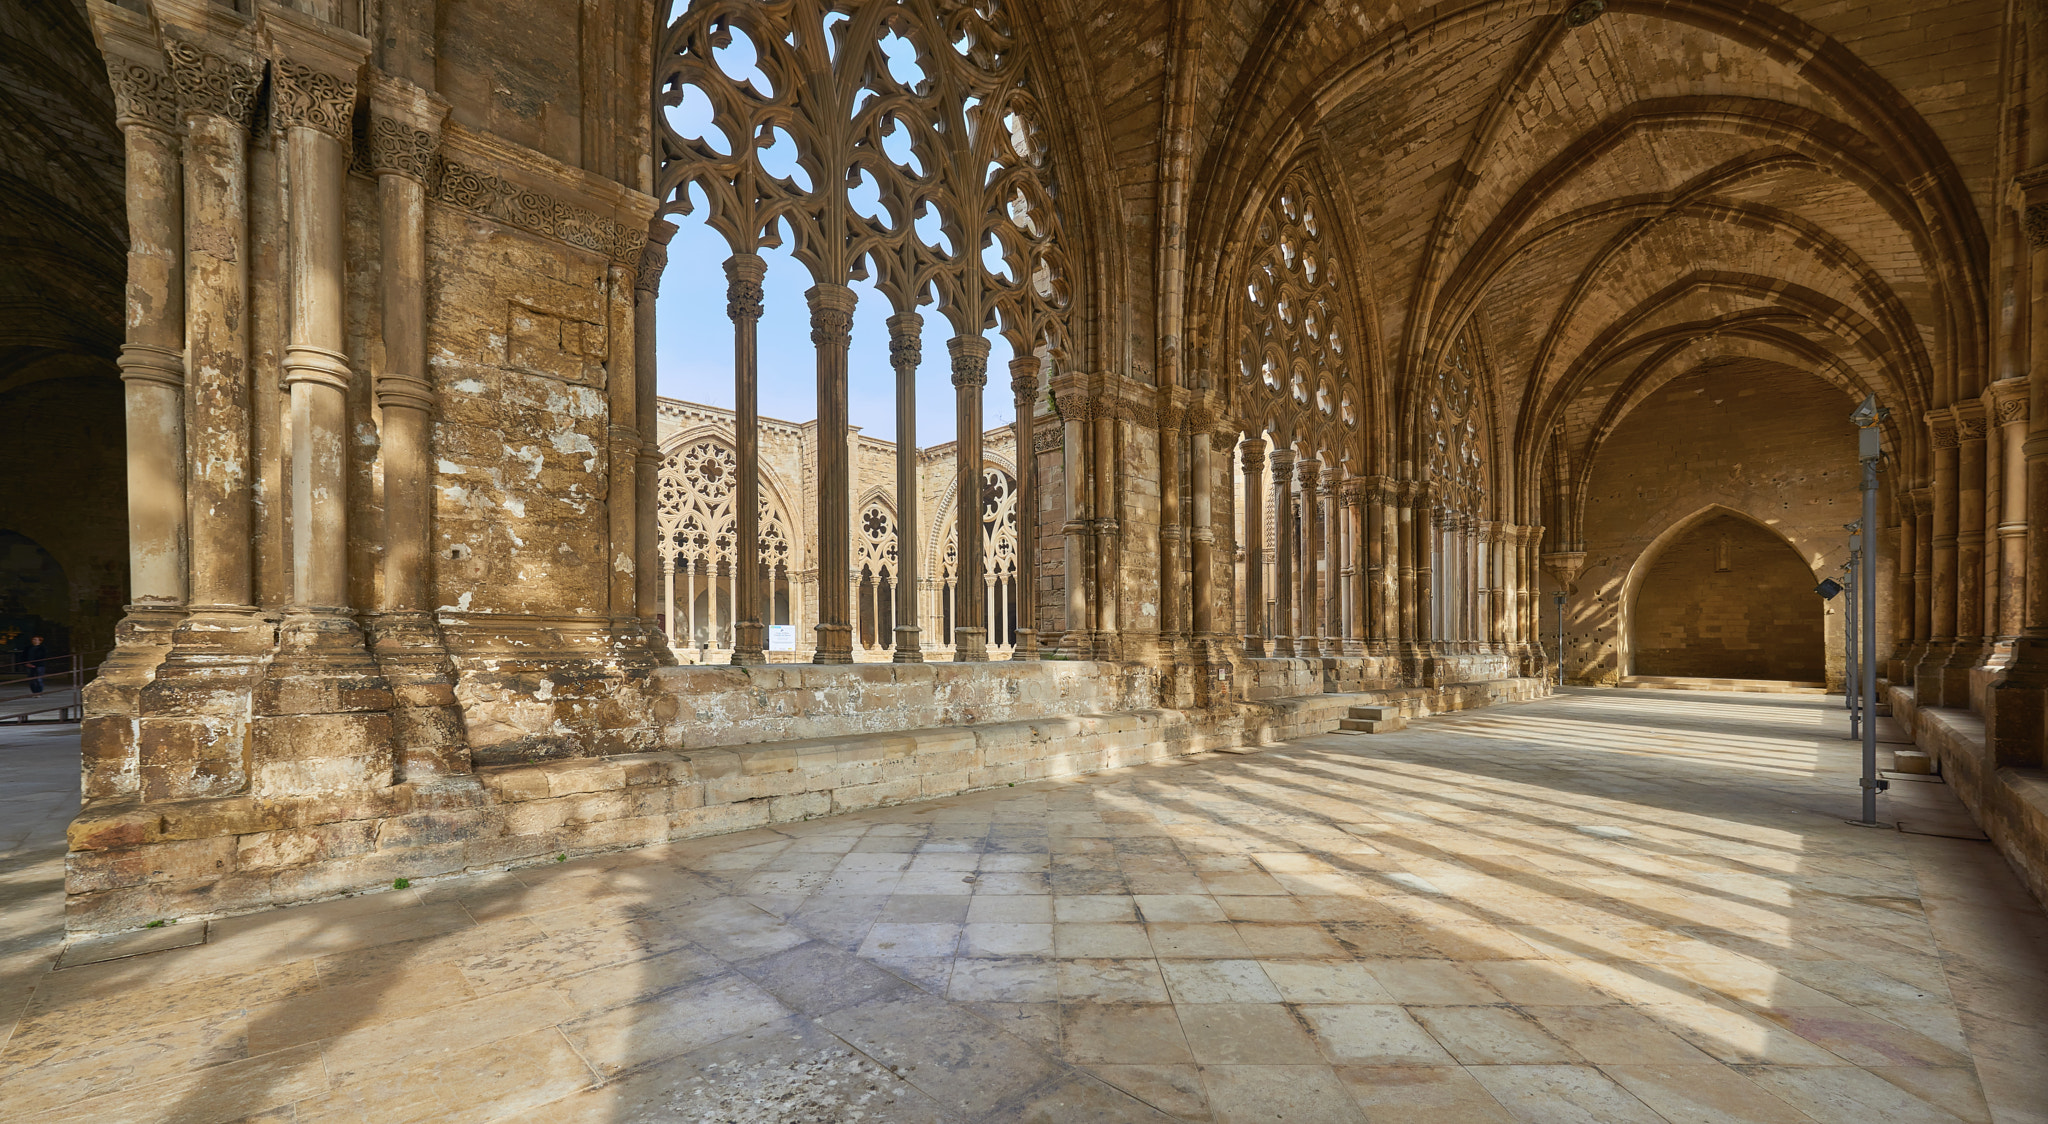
1074 402
1970 424
1047 439
392 147
211 85
304 97
143 96
647 273
970 362
831 315
478 191
743 276
2035 221
2008 401
1253 454
1941 426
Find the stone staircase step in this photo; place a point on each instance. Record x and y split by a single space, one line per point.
1372 720
1917 761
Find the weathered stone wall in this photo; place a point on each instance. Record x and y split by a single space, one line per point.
1728 599
1772 445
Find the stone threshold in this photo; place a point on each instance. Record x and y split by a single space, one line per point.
2010 805
133 863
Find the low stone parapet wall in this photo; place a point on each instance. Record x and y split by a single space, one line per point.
133 863
2011 805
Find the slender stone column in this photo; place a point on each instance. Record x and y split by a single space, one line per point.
1928 679
1205 442
405 124
1172 629
1024 396
1906 583
2009 413
1308 474
1108 528
1284 533
1969 651
1336 580
1923 574
192 736
1073 400
970 602
1428 524
831 330
906 351
1355 554
743 276
153 385
653 559
1408 536
1253 454
1383 539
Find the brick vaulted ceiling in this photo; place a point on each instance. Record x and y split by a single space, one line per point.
1596 209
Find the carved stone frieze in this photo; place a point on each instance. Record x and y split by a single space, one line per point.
304 97
481 192
1970 422
2008 401
209 84
2035 219
1941 426
1046 439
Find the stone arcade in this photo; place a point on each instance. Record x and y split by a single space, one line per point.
1346 337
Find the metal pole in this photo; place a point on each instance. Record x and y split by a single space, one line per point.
1853 683
1867 417
1559 597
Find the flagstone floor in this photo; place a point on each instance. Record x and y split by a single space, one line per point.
1607 906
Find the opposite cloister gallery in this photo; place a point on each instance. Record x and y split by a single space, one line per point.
457 436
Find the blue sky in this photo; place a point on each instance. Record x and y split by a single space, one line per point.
693 350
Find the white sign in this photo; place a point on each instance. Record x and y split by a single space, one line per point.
782 638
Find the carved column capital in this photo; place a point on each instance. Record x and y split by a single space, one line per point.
743 276
970 361
1309 471
1969 421
2008 398
1024 383
653 260
2034 220
314 66
212 85
1070 394
1941 427
831 314
145 95
1253 454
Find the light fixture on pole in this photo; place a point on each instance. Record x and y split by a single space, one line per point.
1868 417
1851 686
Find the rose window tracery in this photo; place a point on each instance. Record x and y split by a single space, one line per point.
1292 323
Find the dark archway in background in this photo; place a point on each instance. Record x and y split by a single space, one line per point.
1729 599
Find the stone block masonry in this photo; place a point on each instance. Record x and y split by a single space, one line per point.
714 750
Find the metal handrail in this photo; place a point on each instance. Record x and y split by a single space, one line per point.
71 670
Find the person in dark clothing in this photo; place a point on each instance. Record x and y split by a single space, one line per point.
33 659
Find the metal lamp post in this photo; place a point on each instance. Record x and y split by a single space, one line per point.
1867 417
1854 684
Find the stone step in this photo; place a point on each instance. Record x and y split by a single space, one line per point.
1372 720
1917 761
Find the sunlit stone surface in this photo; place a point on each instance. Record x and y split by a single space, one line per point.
1620 906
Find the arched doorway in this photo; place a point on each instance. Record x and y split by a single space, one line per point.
1727 598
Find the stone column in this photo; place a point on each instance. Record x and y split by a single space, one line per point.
1923 576
1428 522
153 385
831 330
1253 455
906 351
1108 528
1355 553
405 125
2019 709
970 604
1284 576
1204 442
1407 536
322 716
1928 680
1969 651
1383 561
192 737
1906 584
1172 629
1308 475
1071 394
743 276
1024 397
2009 413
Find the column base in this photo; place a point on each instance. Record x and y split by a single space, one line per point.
1255 647
192 720
970 645
321 721
113 699
908 647
2016 711
835 644
1929 684
748 647
1027 645
1968 655
427 726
